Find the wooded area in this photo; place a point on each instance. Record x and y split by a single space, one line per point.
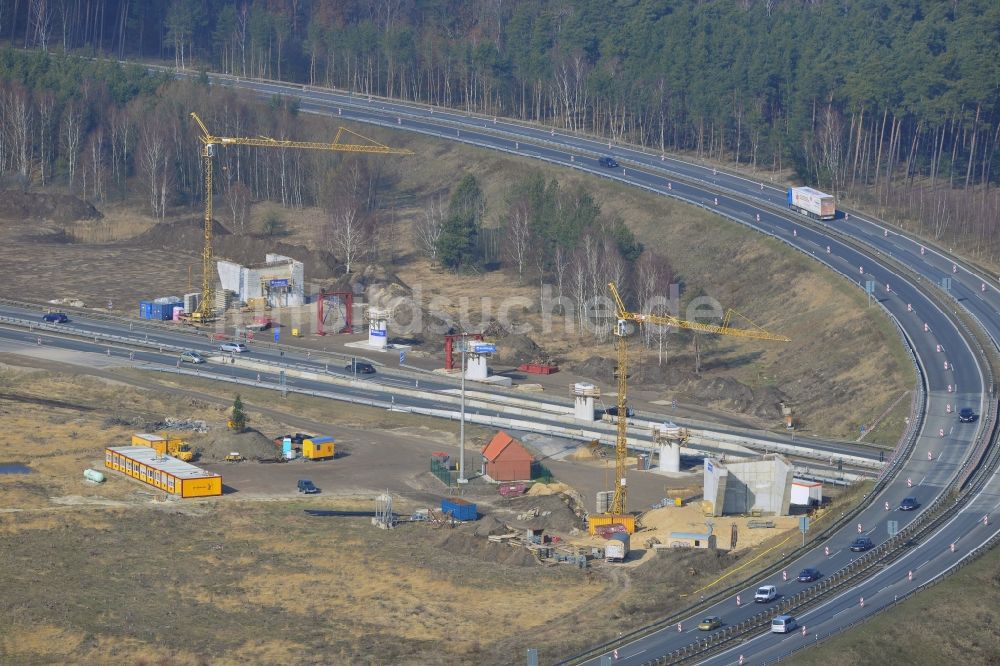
893 104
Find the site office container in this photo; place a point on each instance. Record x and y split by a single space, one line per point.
459 508
168 474
598 520
318 448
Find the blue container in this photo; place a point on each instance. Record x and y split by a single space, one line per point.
145 309
459 509
167 310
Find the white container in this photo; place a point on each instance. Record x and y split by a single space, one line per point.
93 475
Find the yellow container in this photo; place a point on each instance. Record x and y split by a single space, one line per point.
201 487
318 448
678 501
295 332
600 519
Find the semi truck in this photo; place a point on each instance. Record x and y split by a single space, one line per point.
812 202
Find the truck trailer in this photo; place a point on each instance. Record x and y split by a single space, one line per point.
812 202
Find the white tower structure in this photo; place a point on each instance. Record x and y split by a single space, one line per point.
669 437
378 324
583 400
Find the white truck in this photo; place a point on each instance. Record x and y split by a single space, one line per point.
812 202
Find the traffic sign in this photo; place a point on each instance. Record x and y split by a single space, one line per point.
484 348
804 524
892 526
277 334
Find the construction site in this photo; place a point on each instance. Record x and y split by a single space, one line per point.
467 478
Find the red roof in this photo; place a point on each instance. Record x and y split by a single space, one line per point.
505 445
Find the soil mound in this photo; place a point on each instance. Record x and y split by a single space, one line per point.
251 444
557 512
186 235
460 542
490 525
731 394
40 206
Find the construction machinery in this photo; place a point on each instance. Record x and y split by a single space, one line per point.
617 512
165 446
206 307
235 456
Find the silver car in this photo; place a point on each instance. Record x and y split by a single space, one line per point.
192 357
234 347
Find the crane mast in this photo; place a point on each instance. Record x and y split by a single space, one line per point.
619 504
206 308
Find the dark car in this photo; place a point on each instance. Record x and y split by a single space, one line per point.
909 504
55 318
861 544
613 411
308 487
808 575
359 368
608 162
966 415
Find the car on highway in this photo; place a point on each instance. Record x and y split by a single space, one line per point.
360 368
966 415
308 487
861 544
55 318
613 411
190 356
709 623
765 593
233 347
607 162
783 624
808 575
909 504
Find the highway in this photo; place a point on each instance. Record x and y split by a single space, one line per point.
952 371
152 346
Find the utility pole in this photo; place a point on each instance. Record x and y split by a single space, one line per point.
461 424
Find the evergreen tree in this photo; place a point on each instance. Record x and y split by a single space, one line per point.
238 421
458 245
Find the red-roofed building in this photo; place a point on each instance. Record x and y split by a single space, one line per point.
506 459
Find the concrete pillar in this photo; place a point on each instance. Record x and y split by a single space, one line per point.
378 333
583 400
476 366
670 457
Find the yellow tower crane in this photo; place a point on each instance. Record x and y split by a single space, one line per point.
618 509
209 141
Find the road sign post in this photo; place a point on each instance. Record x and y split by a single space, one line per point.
804 527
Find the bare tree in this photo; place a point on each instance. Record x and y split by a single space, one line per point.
238 199
122 132
428 228
349 234
154 160
95 163
561 259
40 17
19 121
46 116
519 235
72 128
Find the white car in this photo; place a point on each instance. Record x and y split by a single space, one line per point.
765 593
234 347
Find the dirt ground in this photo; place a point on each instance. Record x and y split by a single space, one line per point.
109 573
